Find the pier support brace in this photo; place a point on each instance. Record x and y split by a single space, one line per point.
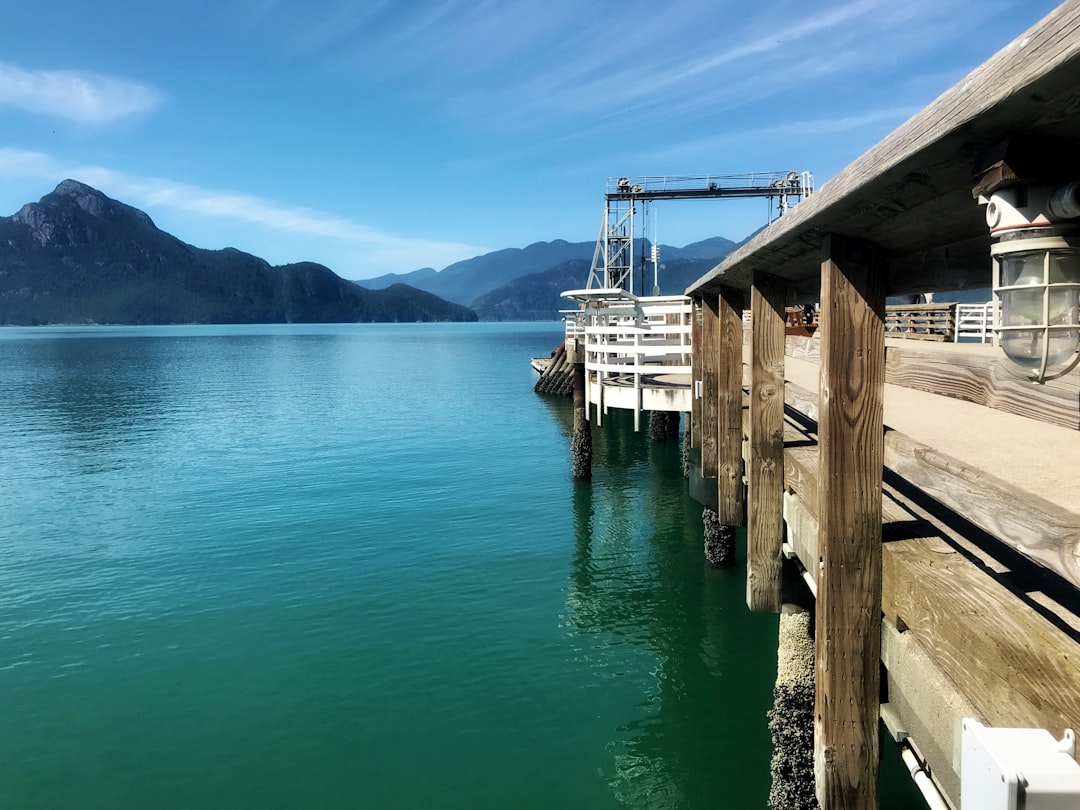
581 441
851 453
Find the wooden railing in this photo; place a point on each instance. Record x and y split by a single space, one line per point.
921 321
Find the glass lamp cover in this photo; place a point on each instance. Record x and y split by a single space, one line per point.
1039 307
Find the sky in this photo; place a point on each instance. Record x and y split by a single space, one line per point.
381 136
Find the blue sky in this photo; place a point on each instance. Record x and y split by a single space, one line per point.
386 136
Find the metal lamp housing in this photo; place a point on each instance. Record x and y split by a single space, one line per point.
1036 280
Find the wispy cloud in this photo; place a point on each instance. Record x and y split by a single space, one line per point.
381 248
520 67
84 97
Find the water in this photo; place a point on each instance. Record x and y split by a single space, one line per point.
346 566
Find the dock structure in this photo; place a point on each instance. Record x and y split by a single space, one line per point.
906 474
924 492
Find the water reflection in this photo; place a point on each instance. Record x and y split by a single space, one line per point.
639 579
97 395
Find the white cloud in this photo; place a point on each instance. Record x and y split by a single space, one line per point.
84 97
379 248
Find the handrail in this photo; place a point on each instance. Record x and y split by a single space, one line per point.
629 340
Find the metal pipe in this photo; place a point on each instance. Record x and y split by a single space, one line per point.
809 582
922 780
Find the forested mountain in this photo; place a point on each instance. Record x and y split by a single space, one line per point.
480 280
467 280
78 256
535 297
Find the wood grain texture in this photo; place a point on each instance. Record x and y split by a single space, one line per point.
1004 658
1038 529
765 480
850 436
710 334
729 408
985 380
1015 667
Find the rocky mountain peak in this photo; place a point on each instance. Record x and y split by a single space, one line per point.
75 213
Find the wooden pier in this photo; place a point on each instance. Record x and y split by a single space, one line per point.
924 492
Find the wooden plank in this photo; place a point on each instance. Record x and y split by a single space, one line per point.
1042 531
1038 529
765 485
729 408
710 334
696 375
1017 668
850 433
911 193
985 380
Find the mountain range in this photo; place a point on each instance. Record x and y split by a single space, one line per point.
79 257
474 281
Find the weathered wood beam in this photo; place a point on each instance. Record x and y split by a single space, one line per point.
729 407
765 486
985 380
850 435
1041 531
710 333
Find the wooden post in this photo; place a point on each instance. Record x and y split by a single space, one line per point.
581 440
765 520
710 327
696 374
851 452
727 349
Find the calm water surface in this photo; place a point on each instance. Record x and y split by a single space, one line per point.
346 566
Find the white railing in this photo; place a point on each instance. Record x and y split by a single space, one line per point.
633 348
975 321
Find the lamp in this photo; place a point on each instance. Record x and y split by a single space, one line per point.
1037 277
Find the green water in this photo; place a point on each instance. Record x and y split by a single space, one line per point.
346 566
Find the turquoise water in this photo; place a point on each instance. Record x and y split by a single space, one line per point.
346 566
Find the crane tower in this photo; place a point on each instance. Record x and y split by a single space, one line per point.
613 260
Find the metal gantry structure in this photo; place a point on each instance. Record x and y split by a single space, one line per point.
613 261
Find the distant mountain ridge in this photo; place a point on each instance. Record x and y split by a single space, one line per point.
473 281
536 297
78 256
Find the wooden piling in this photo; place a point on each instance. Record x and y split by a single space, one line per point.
851 440
728 399
581 441
711 366
697 383
765 521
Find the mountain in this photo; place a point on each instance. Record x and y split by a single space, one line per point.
535 297
463 282
78 256
472 281
715 247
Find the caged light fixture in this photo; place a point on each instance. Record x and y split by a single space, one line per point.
1036 256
